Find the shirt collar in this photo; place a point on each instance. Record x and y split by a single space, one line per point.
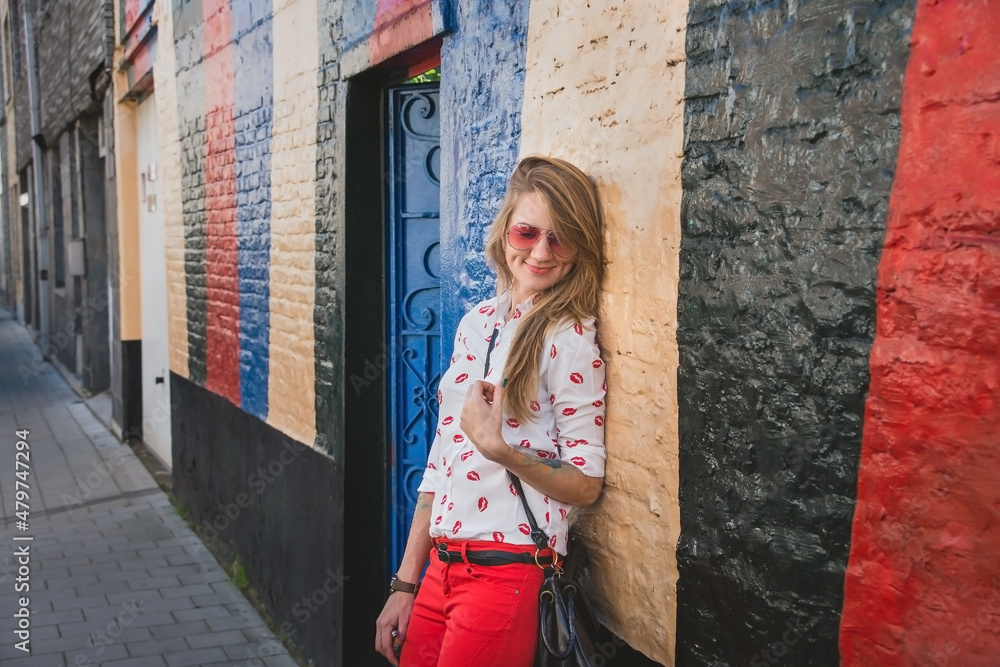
504 304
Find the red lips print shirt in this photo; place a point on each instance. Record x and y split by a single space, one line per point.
474 499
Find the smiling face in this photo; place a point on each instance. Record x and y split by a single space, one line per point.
538 268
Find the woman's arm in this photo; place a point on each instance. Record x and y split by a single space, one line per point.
396 613
565 483
481 421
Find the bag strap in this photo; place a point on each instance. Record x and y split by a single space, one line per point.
538 535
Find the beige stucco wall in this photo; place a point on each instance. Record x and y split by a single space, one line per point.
170 167
604 89
127 186
292 382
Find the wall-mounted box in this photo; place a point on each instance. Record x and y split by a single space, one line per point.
76 257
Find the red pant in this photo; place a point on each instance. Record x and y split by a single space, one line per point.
473 615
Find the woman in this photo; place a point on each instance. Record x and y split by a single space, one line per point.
524 394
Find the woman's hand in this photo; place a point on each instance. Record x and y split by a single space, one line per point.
482 419
395 617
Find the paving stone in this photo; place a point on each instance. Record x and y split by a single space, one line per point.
57 618
202 614
178 629
195 657
236 622
145 661
107 588
153 647
188 591
138 584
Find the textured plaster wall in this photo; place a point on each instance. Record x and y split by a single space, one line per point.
607 94
791 134
165 68
481 91
292 398
127 195
925 551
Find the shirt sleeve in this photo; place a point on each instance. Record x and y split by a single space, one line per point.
576 382
432 473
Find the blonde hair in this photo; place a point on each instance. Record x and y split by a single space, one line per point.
575 210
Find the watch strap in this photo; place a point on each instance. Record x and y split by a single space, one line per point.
396 585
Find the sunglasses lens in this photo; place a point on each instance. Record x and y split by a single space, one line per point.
555 245
522 237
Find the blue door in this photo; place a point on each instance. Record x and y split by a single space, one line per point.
414 296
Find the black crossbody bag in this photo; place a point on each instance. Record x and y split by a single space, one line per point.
568 629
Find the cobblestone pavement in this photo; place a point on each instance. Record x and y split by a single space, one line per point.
113 576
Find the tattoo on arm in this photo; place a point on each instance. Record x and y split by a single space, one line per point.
551 464
424 501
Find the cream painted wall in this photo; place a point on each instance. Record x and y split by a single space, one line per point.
292 383
127 186
607 94
170 188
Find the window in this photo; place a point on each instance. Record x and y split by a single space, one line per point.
58 228
15 37
4 74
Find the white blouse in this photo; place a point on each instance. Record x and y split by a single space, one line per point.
473 497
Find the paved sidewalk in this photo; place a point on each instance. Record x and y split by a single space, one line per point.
116 577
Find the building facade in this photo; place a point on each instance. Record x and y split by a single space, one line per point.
56 255
798 317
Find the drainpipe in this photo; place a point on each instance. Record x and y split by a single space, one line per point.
41 222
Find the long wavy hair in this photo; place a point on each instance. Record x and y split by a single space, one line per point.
575 212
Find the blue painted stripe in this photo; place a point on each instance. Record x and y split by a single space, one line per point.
254 56
480 138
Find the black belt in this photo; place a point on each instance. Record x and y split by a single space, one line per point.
488 557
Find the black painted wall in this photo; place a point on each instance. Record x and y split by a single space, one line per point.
279 503
130 419
791 133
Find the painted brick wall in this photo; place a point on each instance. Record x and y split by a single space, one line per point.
791 133
328 314
19 89
72 42
188 46
171 191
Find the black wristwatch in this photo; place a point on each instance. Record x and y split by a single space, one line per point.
402 586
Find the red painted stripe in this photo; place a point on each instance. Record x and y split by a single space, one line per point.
387 11
399 25
222 340
131 13
923 579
